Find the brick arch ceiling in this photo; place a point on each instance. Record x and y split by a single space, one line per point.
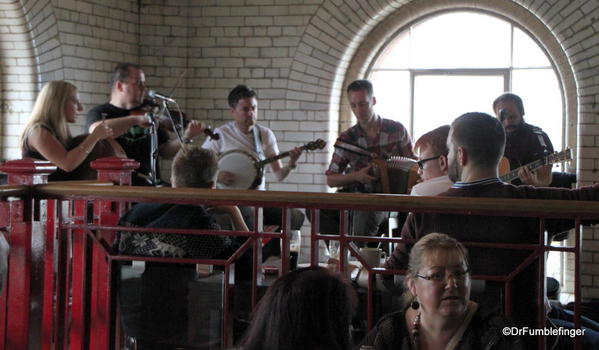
342 40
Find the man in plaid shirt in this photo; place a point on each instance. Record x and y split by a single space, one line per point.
351 170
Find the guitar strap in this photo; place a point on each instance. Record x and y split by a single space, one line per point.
258 142
539 134
355 149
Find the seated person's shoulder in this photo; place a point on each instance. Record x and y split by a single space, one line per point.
143 213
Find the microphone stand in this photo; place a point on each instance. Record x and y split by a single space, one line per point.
154 125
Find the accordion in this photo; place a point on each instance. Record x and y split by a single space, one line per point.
395 174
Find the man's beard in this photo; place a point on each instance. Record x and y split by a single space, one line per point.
514 129
454 172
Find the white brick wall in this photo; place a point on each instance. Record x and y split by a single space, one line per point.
298 54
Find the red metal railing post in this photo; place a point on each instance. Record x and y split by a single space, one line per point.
106 213
28 297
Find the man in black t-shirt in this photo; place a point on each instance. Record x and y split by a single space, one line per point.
125 116
525 143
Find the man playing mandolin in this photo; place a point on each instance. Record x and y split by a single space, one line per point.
125 115
376 135
245 134
525 143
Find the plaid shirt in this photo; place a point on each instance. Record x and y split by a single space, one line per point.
392 140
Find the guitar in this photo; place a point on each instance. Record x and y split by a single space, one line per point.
552 158
249 170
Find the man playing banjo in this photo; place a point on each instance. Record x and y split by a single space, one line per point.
245 135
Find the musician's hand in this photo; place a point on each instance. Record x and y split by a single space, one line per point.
226 178
294 154
194 128
363 175
539 178
142 120
102 132
222 209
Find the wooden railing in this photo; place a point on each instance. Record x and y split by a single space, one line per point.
61 260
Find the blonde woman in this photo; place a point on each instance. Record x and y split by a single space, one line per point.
47 136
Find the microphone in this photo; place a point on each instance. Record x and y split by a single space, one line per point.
154 94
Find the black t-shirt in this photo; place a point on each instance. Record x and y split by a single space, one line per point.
136 141
527 144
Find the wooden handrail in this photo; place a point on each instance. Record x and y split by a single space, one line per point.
486 206
13 190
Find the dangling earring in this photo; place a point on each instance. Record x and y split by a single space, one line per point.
415 304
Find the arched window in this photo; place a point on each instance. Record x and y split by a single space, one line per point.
457 62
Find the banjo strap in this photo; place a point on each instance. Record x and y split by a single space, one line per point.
258 142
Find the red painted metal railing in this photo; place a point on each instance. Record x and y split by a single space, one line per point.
60 290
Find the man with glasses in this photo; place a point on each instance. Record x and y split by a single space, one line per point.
432 163
372 134
125 115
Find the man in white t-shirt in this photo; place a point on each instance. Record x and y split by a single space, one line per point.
432 163
239 135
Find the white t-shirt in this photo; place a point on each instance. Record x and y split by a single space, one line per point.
432 187
232 138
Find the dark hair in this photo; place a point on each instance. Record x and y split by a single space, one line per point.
508 96
308 308
436 139
359 85
239 92
194 166
121 72
481 135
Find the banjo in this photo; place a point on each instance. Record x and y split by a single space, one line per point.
248 169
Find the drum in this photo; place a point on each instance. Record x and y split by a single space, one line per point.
245 166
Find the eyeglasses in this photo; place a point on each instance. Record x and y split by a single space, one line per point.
422 161
441 276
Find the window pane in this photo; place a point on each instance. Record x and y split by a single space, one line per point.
459 40
396 55
527 53
439 99
542 99
392 92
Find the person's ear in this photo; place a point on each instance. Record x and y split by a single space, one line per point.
119 85
443 164
412 286
462 156
373 100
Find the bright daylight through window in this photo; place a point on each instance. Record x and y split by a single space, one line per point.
458 62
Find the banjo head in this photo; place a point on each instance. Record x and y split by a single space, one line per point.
243 166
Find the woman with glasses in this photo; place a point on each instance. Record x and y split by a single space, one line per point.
47 136
438 312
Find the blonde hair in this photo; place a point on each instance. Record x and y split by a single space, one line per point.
194 166
49 109
424 249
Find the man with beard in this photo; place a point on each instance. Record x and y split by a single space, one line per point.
524 143
476 143
125 114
